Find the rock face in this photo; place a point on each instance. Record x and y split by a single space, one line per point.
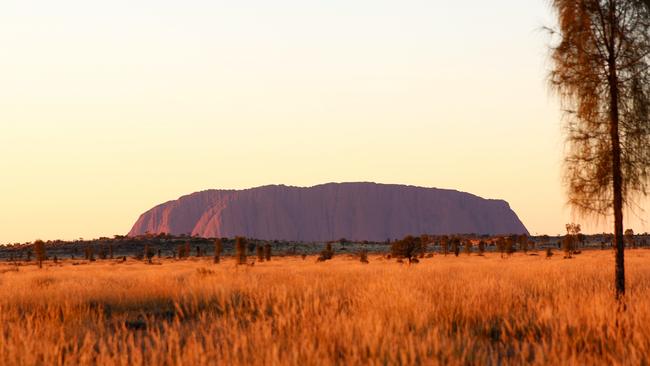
355 211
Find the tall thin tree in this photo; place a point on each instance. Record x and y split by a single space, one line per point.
600 56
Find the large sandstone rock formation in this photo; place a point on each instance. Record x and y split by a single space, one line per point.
356 211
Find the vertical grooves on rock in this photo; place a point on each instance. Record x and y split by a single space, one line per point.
357 211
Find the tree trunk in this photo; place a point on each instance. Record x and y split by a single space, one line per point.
617 177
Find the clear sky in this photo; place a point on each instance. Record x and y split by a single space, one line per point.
108 108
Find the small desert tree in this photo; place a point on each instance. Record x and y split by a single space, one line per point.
39 250
468 247
549 253
568 245
363 256
444 244
522 240
424 239
267 251
240 250
217 250
581 239
90 253
260 253
481 247
510 244
501 246
102 251
148 253
570 240
407 248
455 246
327 253
629 238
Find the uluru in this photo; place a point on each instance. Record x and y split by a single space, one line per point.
355 211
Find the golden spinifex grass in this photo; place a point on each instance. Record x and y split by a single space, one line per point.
289 311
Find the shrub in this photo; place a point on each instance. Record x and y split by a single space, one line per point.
424 239
91 253
326 254
522 240
260 253
455 246
468 247
570 240
102 252
523 246
240 248
549 253
481 248
363 256
501 246
267 251
510 244
568 245
444 244
407 248
148 253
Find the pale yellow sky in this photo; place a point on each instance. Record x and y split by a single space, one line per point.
109 108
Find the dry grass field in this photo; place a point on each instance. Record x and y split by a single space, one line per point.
445 310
